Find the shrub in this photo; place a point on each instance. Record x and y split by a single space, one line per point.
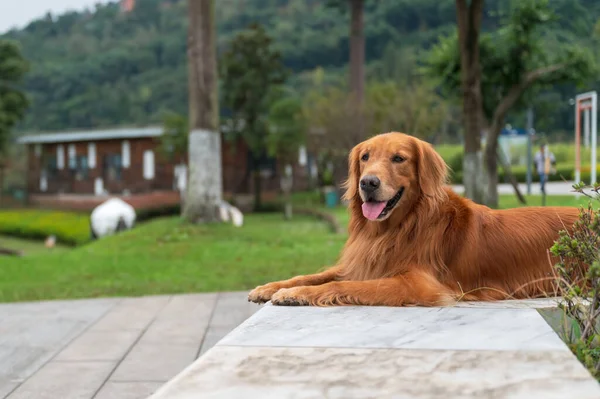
578 280
68 227
586 173
455 163
143 215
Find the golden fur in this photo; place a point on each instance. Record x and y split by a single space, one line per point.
435 247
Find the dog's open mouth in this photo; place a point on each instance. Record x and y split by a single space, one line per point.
374 210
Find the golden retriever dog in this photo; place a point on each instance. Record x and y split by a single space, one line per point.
413 241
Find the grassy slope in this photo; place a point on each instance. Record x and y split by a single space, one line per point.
168 256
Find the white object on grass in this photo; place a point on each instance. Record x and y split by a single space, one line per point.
229 212
112 216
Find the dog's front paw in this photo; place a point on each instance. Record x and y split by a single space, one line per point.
263 293
289 297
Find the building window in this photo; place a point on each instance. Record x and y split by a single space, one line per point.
60 157
91 155
81 167
72 157
113 167
49 166
38 150
126 154
148 165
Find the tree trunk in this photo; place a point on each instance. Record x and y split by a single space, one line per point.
357 60
492 158
491 164
469 25
357 50
205 182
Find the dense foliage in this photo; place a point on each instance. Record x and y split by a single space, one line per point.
578 272
69 228
13 102
105 68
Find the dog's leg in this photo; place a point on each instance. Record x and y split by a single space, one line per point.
412 288
263 293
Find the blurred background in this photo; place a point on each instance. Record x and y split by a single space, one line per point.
97 105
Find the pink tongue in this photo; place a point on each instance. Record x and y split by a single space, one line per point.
372 210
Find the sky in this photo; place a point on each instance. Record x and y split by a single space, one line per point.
18 13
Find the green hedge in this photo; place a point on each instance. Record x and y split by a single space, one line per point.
69 228
564 153
566 171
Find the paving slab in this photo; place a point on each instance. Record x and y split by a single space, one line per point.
183 320
109 348
64 380
99 346
32 333
395 327
132 314
473 351
282 373
127 390
155 362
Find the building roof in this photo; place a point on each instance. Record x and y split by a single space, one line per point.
92 135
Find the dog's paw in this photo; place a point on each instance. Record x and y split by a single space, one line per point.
289 297
263 293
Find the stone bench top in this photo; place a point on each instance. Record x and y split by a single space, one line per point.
473 350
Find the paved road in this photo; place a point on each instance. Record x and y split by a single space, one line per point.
117 348
552 188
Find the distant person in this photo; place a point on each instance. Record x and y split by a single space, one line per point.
544 161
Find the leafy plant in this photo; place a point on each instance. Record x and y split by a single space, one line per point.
578 281
252 74
174 141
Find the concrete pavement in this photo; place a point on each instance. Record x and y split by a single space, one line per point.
117 348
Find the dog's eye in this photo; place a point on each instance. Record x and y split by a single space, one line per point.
397 159
365 157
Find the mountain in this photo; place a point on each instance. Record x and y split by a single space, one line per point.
109 67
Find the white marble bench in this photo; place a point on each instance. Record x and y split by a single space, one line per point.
473 350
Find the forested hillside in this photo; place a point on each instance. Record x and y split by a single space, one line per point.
106 68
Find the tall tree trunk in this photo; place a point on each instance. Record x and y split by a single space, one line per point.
505 104
205 183
469 26
357 60
491 164
357 49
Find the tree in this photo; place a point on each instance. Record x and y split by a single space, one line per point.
252 73
421 114
357 44
515 62
174 142
332 115
469 26
287 132
205 183
13 102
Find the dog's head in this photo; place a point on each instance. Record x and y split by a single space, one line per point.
393 170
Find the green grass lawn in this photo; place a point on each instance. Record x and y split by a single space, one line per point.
511 201
168 256
29 247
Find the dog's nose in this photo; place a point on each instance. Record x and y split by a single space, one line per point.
369 184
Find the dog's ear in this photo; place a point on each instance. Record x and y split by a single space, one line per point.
351 184
431 169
